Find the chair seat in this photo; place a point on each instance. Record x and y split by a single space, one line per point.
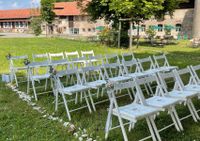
96 84
167 68
137 74
120 78
150 72
135 111
20 68
73 89
40 77
192 88
182 95
162 102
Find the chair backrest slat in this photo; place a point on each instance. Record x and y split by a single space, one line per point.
87 53
161 61
56 55
70 55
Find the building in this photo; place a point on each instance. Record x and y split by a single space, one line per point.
180 24
16 20
69 20
183 24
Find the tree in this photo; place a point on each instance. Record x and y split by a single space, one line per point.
47 13
36 25
137 10
63 0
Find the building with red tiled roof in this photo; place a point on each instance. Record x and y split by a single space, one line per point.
69 20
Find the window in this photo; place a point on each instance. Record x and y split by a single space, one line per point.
160 28
82 18
83 29
143 28
93 29
76 18
43 27
21 24
178 27
89 29
74 30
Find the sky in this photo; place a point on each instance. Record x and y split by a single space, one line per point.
18 4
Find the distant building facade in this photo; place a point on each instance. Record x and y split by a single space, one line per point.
180 24
69 20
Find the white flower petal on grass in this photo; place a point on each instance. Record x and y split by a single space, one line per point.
65 124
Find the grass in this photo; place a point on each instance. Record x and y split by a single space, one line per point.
20 122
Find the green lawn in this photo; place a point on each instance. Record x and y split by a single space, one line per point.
19 122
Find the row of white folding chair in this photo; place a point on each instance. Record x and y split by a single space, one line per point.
61 55
162 99
14 68
81 87
107 73
142 108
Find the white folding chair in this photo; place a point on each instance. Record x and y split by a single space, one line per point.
95 60
72 90
40 57
162 63
194 71
92 76
15 67
57 59
87 54
130 112
147 66
42 73
71 55
161 101
128 56
180 90
132 69
114 72
56 56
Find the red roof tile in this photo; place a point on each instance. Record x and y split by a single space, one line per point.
60 9
67 9
18 13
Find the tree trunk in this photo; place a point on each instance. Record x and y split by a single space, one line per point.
138 34
196 21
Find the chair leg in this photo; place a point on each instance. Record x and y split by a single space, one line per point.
130 95
194 109
16 81
122 128
94 108
34 90
177 118
88 105
28 84
174 120
76 98
46 84
191 111
66 107
155 128
108 121
56 102
151 129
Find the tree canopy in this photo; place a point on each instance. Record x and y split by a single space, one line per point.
47 13
136 9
